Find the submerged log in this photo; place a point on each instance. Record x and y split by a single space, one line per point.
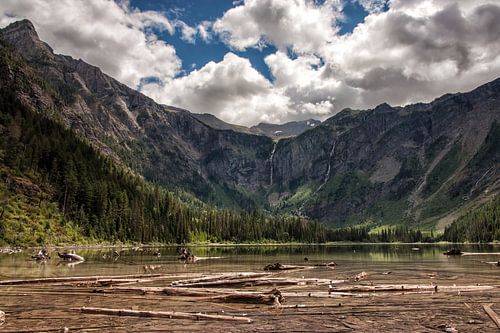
279 267
489 311
162 314
330 264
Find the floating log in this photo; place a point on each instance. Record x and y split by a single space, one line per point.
170 291
230 276
70 256
410 287
256 282
489 311
74 278
274 297
162 314
453 252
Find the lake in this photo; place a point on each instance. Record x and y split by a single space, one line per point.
396 292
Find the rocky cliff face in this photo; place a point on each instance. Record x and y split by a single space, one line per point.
417 164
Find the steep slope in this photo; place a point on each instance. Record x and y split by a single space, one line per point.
56 188
390 165
165 144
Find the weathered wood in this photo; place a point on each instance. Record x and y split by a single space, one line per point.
273 297
257 282
74 278
169 291
230 276
2 318
410 287
162 314
489 311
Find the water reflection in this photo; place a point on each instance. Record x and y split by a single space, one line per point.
385 257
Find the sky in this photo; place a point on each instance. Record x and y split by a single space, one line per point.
251 61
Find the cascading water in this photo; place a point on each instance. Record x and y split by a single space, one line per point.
328 170
271 160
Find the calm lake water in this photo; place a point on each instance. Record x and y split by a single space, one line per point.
350 258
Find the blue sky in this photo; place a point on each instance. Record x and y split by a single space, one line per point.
193 12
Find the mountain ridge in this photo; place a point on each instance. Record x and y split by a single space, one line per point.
386 165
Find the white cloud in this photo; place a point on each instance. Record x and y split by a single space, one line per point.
231 89
301 24
103 33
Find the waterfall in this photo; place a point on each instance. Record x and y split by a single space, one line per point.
329 168
271 161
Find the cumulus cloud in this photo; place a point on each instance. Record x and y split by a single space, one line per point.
230 89
104 33
418 50
300 24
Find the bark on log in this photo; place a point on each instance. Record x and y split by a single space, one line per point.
256 282
274 297
410 287
162 314
489 311
231 276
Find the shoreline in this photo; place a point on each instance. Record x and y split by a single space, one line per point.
152 245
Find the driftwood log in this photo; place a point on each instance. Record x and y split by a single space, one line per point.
256 282
279 267
162 314
74 279
273 297
489 311
230 276
410 287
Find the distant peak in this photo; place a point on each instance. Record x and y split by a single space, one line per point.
22 24
21 28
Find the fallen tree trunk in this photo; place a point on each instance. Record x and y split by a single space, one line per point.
410 287
256 282
230 276
169 291
274 297
74 278
162 314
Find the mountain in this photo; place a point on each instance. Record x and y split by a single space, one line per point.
57 188
286 130
275 131
423 165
